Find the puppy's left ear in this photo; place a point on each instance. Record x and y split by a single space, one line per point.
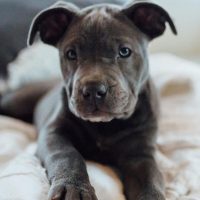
150 18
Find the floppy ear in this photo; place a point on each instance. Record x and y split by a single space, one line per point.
149 18
52 23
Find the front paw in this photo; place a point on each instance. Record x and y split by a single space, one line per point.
63 191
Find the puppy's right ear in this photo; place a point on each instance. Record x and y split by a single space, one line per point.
52 23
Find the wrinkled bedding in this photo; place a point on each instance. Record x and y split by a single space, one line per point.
178 154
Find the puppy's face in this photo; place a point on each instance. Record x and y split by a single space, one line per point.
103 58
104 65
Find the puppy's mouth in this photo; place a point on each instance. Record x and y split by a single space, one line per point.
99 117
98 114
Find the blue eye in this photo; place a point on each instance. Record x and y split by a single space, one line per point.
125 52
71 54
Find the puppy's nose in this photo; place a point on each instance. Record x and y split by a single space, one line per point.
95 91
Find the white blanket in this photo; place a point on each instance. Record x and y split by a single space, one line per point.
178 155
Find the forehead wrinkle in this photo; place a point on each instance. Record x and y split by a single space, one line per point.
92 27
96 22
98 15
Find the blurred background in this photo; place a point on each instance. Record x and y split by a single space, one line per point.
186 15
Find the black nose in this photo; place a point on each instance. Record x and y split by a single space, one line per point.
94 91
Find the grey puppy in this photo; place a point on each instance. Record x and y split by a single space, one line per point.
106 108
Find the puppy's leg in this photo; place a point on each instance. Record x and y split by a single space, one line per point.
142 179
66 169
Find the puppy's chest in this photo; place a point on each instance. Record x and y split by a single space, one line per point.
100 151
92 145
96 148
101 147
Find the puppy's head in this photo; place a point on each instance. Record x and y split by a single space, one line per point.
103 53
